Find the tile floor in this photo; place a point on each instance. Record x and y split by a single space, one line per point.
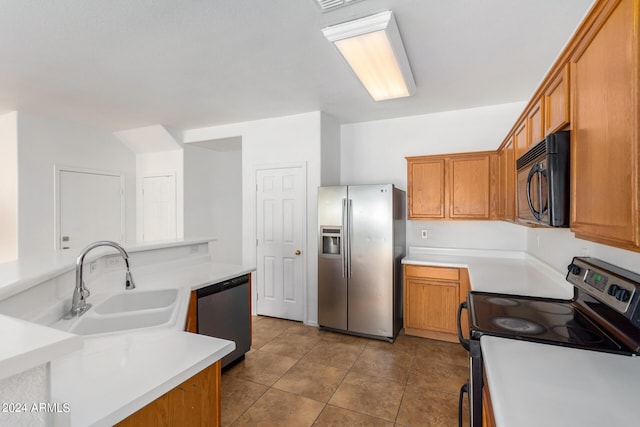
296 375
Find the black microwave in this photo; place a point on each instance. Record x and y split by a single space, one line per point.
543 182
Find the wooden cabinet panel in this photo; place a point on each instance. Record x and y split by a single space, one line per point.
431 299
510 182
437 273
535 126
426 195
433 305
195 402
191 324
605 146
455 186
470 187
520 139
556 102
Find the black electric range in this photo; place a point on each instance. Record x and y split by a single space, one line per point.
604 315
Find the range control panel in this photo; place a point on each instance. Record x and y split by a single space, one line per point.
614 286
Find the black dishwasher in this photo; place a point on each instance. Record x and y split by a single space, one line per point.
223 312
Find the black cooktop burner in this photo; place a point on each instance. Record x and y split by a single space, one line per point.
518 325
543 320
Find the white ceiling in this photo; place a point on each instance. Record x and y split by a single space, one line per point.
122 64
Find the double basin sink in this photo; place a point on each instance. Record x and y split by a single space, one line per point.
126 310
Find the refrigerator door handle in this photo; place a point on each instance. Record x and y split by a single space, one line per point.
343 244
349 233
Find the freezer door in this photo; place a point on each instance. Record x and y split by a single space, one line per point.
332 280
370 291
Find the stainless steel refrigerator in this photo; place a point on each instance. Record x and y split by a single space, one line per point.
361 243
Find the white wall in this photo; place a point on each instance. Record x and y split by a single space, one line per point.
199 176
374 152
226 191
278 141
8 186
557 246
330 150
45 142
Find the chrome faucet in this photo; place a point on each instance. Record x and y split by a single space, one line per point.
80 294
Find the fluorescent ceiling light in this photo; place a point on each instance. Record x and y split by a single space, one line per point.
373 49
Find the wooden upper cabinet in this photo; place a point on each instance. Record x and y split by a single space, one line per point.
556 102
535 125
425 180
456 186
605 141
507 186
520 140
470 187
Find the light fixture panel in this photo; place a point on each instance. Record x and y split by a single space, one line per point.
372 47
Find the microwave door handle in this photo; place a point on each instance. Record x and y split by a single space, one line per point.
532 172
545 208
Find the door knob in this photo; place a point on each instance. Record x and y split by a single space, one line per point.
298 252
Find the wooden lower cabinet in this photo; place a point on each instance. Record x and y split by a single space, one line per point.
488 419
195 402
431 299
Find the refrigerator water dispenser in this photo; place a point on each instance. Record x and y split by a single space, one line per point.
331 240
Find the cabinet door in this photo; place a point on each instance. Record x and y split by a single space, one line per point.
426 195
536 123
510 181
507 188
470 187
556 102
431 305
520 139
604 150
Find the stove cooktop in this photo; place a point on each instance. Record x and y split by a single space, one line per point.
542 320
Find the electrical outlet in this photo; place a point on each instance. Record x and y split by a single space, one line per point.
423 234
113 261
193 249
93 266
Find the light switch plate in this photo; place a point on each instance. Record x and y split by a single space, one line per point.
423 234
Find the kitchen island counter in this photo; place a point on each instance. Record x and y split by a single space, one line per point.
535 385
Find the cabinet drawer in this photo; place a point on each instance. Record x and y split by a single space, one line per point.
441 273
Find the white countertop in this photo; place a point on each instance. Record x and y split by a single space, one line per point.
509 272
534 385
105 378
115 376
26 345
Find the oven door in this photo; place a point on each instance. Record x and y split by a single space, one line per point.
475 381
533 192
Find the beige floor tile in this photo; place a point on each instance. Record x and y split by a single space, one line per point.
427 408
302 329
388 355
311 380
237 395
380 368
279 408
332 416
432 350
439 376
336 354
291 345
262 367
344 338
377 397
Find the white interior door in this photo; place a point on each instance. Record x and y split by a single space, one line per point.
158 208
281 221
90 208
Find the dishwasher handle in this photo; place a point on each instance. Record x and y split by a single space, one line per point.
222 286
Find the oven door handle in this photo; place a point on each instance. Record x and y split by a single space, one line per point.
464 389
464 342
